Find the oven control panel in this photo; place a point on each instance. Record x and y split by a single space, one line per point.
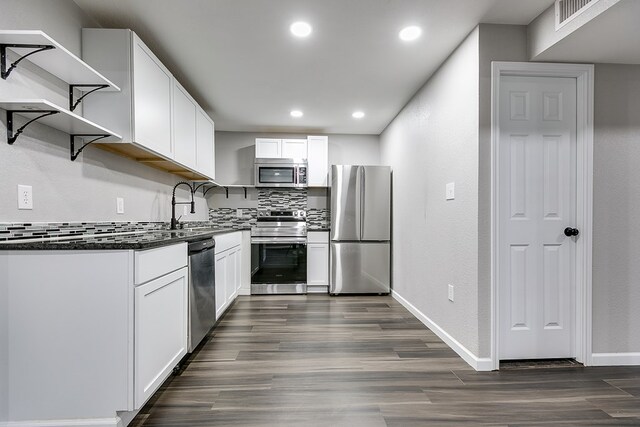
280 215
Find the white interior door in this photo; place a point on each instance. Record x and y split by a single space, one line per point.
537 193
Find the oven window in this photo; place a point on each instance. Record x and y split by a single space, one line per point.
278 263
276 175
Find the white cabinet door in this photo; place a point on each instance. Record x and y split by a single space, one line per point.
152 85
294 149
239 269
318 264
318 152
205 144
221 283
184 126
268 148
160 331
233 261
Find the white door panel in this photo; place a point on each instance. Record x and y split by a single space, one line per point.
537 156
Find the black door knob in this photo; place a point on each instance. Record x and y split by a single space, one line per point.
571 232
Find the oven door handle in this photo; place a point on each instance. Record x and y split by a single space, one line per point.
279 240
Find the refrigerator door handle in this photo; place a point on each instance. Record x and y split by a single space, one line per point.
359 201
362 170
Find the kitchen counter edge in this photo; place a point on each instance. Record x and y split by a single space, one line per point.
124 242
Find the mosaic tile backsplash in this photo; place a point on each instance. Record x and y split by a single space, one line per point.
318 218
228 217
268 198
286 198
39 230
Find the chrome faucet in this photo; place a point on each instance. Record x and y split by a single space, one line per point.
174 221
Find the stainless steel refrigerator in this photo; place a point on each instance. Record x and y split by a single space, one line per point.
360 261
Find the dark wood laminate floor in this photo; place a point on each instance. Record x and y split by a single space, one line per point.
366 361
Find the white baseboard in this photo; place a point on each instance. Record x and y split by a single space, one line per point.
92 422
477 363
244 291
615 359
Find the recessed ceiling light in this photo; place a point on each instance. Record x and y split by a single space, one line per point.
410 33
357 115
300 29
296 113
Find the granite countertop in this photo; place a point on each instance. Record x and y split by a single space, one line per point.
131 240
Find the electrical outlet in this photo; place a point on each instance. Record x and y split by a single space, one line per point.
450 191
119 205
185 210
450 293
25 197
239 212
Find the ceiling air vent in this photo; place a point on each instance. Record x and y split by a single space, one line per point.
566 10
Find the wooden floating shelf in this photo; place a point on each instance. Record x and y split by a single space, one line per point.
58 61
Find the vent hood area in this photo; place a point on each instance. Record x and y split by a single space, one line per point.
603 31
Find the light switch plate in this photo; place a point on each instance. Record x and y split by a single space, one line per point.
450 191
119 205
25 197
239 213
185 210
450 292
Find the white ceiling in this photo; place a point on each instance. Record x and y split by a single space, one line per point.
240 62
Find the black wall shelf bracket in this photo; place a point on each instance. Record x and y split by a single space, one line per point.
72 143
11 137
73 104
3 55
205 190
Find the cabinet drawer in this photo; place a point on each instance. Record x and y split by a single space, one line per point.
318 237
156 262
227 241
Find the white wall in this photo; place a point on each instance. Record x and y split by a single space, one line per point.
497 43
84 190
616 209
443 135
434 141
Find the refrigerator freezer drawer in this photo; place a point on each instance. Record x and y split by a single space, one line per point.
360 268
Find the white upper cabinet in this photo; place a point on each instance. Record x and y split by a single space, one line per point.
318 158
314 148
273 148
268 148
184 126
160 123
294 149
205 144
152 84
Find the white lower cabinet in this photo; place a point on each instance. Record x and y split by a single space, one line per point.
160 334
318 262
228 270
116 325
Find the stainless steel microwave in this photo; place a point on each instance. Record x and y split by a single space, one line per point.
281 173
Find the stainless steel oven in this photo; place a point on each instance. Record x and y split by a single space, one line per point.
279 253
281 173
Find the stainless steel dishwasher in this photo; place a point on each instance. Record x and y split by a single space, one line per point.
202 290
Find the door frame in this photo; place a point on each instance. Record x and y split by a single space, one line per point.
583 73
